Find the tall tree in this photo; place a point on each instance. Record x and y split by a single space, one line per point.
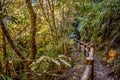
49 14
32 53
51 4
64 30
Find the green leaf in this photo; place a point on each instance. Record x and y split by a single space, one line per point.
64 62
5 77
9 78
3 16
62 56
56 61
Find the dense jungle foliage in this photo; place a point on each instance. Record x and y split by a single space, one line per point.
37 36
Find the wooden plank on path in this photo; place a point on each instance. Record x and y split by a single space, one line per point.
87 73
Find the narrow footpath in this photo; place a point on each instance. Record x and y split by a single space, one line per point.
100 71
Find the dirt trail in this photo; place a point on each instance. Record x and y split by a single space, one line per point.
75 73
100 71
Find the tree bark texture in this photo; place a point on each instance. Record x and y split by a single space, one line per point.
11 42
32 53
64 47
5 65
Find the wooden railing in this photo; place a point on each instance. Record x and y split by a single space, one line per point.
88 50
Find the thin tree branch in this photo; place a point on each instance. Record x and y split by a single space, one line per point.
32 29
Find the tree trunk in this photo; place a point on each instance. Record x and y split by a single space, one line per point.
51 6
5 59
32 53
64 48
11 42
48 19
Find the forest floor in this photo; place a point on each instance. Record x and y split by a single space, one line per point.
101 72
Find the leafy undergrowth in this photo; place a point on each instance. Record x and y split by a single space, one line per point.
75 72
